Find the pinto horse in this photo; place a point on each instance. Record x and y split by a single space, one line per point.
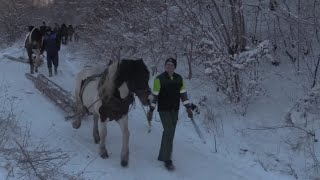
108 95
33 45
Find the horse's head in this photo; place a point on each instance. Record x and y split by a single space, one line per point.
136 74
36 57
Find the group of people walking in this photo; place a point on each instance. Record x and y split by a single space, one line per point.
65 33
51 40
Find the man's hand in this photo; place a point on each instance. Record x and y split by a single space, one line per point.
149 115
190 113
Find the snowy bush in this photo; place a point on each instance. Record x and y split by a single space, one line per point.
19 155
8 124
237 76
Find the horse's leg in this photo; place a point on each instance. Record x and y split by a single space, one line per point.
96 136
30 60
36 67
103 134
123 122
31 67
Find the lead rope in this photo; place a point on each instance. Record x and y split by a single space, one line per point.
149 122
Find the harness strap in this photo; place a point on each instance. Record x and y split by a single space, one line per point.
85 82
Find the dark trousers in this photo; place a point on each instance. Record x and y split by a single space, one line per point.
64 39
53 59
169 121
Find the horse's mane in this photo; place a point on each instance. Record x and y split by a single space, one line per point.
131 69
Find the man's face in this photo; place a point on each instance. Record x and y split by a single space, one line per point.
169 67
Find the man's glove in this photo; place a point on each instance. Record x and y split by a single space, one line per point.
149 115
190 113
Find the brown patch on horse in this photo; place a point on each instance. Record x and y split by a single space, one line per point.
114 107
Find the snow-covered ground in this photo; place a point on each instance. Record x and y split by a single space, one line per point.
193 160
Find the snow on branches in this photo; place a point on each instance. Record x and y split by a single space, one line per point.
237 75
242 60
305 107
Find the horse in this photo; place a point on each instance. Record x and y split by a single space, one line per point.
108 94
33 44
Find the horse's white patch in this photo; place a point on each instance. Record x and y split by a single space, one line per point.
124 90
36 57
108 84
102 133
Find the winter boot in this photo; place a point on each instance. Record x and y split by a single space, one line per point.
168 164
55 70
50 72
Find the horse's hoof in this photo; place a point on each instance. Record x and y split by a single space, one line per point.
124 163
104 155
76 124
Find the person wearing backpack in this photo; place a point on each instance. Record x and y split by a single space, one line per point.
51 44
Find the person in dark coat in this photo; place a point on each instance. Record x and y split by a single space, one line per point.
30 28
168 89
43 28
64 34
70 32
57 30
51 44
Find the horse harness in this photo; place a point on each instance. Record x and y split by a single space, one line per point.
84 83
112 107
